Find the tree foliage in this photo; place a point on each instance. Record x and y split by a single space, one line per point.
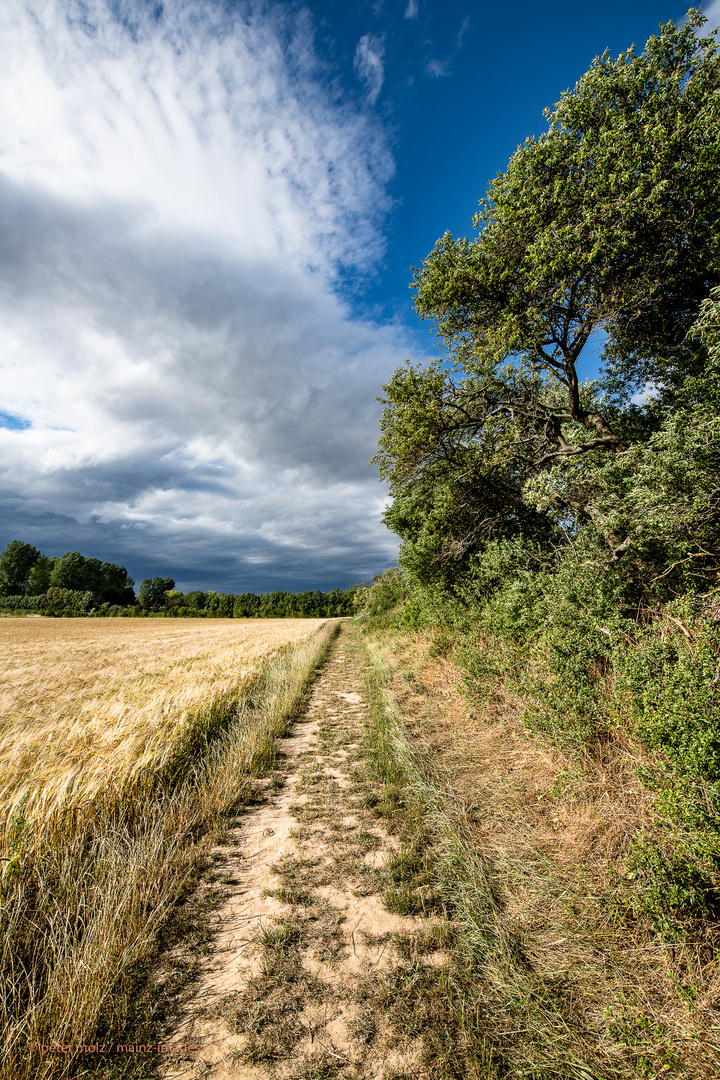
26 572
16 564
152 591
608 223
386 591
108 582
76 585
567 533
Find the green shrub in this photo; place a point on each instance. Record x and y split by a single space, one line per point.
386 591
69 602
23 603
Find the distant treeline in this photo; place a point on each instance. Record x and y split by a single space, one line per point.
74 584
312 604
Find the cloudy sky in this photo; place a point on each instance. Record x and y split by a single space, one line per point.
208 214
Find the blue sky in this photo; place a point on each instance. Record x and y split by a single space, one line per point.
209 212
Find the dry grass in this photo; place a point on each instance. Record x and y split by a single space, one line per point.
552 828
86 891
90 705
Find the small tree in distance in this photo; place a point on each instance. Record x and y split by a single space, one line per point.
152 591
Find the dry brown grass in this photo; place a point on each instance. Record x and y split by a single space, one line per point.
88 705
554 827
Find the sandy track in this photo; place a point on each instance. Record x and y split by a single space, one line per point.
303 938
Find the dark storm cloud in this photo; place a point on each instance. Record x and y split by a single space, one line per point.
197 394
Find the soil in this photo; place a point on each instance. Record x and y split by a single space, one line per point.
303 948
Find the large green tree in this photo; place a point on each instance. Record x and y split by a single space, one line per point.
606 226
16 564
108 582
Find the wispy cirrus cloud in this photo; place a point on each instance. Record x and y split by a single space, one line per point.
441 68
186 391
369 64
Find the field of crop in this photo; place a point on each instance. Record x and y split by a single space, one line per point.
88 705
124 745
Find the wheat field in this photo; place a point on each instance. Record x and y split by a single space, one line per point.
87 705
147 736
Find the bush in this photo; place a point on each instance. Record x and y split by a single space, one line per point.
387 591
69 602
23 603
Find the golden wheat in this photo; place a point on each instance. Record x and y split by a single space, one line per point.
86 705
85 894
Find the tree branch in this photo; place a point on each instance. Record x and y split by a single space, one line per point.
612 442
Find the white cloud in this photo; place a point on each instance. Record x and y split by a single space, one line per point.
368 64
199 120
650 392
177 198
712 13
411 11
440 68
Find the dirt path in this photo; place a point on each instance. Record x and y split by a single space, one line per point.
304 949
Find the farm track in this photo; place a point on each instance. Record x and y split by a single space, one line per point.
302 943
